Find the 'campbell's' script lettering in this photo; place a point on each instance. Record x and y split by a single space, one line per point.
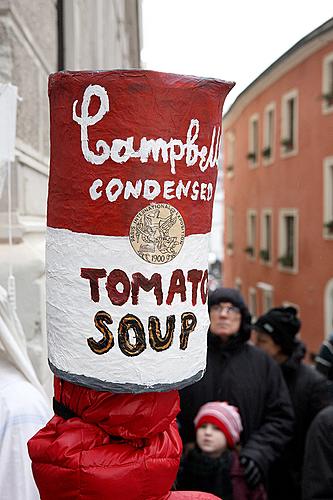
121 150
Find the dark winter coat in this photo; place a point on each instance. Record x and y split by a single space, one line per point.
324 362
318 459
309 395
221 476
246 377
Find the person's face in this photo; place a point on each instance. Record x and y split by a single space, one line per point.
211 440
225 319
267 344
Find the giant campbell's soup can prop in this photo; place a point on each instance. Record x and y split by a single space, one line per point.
133 169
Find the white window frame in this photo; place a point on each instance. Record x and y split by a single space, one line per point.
292 94
327 107
328 308
253 302
269 135
267 300
238 284
251 237
267 295
283 213
229 231
263 235
328 196
230 157
253 148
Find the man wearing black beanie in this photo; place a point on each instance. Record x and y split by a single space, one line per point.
277 330
244 376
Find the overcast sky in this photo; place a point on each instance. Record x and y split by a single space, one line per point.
232 40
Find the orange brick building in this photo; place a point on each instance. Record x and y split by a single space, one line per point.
278 181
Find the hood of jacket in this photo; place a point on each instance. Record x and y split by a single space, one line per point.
128 416
234 297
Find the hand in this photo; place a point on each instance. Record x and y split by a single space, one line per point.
252 472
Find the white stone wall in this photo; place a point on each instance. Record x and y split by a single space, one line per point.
103 34
98 34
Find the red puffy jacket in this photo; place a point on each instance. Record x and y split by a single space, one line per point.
117 447
191 495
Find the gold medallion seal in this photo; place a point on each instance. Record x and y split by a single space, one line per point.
157 233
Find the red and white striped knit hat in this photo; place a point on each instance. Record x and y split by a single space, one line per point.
226 417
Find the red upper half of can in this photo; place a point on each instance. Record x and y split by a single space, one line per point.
115 133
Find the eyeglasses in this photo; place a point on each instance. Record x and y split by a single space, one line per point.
230 310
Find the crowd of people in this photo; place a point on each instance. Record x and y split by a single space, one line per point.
259 424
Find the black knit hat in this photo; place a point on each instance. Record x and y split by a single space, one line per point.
234 297
282 324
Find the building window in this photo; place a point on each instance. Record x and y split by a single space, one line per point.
251 232
230 231
267 300
253 153
230 154
266 294
253 302
289 125
327 84
328 198
269 134
238 284
266 237
288 240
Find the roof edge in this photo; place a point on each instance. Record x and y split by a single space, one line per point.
316 33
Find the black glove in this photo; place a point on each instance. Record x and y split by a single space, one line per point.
252 472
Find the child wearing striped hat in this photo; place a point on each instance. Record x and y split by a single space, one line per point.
213 465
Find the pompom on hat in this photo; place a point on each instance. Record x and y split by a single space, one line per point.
226 417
